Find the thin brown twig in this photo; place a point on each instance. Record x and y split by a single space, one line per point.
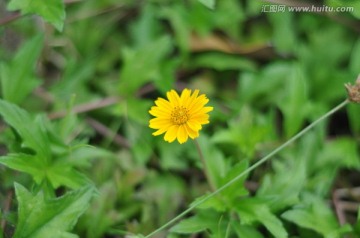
342 206
10 18
86 107
339 211
94 14
106 132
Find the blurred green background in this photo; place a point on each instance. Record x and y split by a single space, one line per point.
268 73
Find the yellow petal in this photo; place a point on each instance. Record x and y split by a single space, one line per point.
156 112
198 103
171 134
182 135
157 123
191 99
192 133
201 110
162 103
194 125
160 131
201 120
185 96
174 98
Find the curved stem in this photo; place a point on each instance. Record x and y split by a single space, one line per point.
251 168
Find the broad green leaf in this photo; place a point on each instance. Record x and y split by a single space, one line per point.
315 214
17 76
237 189
134 109
244 231
208 3
342 152
295 104
43 218
197 223
58 174
62 173
215 161
145 29
190 225
171 154
253 86
253 210
76 76
32 133
164 191
142 65
330 158
284 186
244 132
53 11
25 163
177 15
283 25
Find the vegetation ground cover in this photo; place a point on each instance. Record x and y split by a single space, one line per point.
77 82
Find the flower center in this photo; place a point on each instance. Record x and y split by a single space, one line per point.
179 115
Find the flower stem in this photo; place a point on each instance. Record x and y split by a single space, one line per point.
251 168
205 168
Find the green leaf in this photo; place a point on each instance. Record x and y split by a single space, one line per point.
283 25
314 214
76 75
208 3
342 147
189 225
25 163
284 186
244 231
62 173
134 109
244 131
237 189
17 76
43 218
58 174
32 133
215 161
200 222
295 104
142 65
53 11
177 15
253 210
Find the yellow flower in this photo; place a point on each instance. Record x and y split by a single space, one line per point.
180 117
